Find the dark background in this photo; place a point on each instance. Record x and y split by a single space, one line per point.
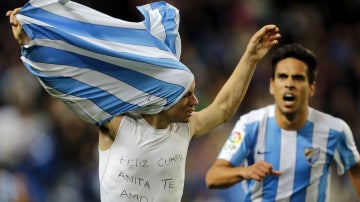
48 155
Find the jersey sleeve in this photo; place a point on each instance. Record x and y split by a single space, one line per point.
346 153
100 66
236 147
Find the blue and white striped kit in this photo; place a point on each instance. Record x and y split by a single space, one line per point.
100 66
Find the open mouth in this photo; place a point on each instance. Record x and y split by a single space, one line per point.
289 97
190 113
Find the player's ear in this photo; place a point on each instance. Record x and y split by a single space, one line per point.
271 87
312 89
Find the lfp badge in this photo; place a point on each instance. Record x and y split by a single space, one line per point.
312 155
234 141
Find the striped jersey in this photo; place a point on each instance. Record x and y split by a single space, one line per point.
100 66
305 157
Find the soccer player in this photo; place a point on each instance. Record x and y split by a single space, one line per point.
286 151
142 156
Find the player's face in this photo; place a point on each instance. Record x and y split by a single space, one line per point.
290 86
183 110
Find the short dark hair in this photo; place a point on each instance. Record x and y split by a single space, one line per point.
296 51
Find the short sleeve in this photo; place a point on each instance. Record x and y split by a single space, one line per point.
346 154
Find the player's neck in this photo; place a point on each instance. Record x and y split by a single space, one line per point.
291 121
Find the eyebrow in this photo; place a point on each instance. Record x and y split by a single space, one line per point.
294 76
299 74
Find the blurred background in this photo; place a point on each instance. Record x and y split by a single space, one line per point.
49 155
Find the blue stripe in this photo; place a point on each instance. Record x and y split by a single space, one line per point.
272 154
334 140
250 184
145 13
302 173
50 33
168 16
170 26
103 99
247 148
323 183
102 32
347 155
251 140
157 4
140 81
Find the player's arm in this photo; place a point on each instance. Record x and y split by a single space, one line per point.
223 174
233 91
18 32
354 174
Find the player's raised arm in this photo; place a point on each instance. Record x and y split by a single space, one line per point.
232 93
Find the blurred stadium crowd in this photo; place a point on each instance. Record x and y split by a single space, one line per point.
49 155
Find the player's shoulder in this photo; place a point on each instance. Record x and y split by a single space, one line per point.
326 119
260 113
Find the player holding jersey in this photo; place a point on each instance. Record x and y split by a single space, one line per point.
142 156
287 151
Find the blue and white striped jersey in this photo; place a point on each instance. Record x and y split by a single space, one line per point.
305 157
100 66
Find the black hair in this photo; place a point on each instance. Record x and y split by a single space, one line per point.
296 51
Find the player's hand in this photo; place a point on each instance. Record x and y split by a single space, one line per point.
262 41
259 170
18 32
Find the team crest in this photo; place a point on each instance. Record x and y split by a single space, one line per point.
312 155
234 141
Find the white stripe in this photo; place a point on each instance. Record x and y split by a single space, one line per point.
71 10
161 73
27 20
146 51
260 146
82 108
156 26
178 39
287 163
319 141
94 78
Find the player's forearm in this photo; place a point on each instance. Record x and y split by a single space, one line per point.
234 90
222 177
